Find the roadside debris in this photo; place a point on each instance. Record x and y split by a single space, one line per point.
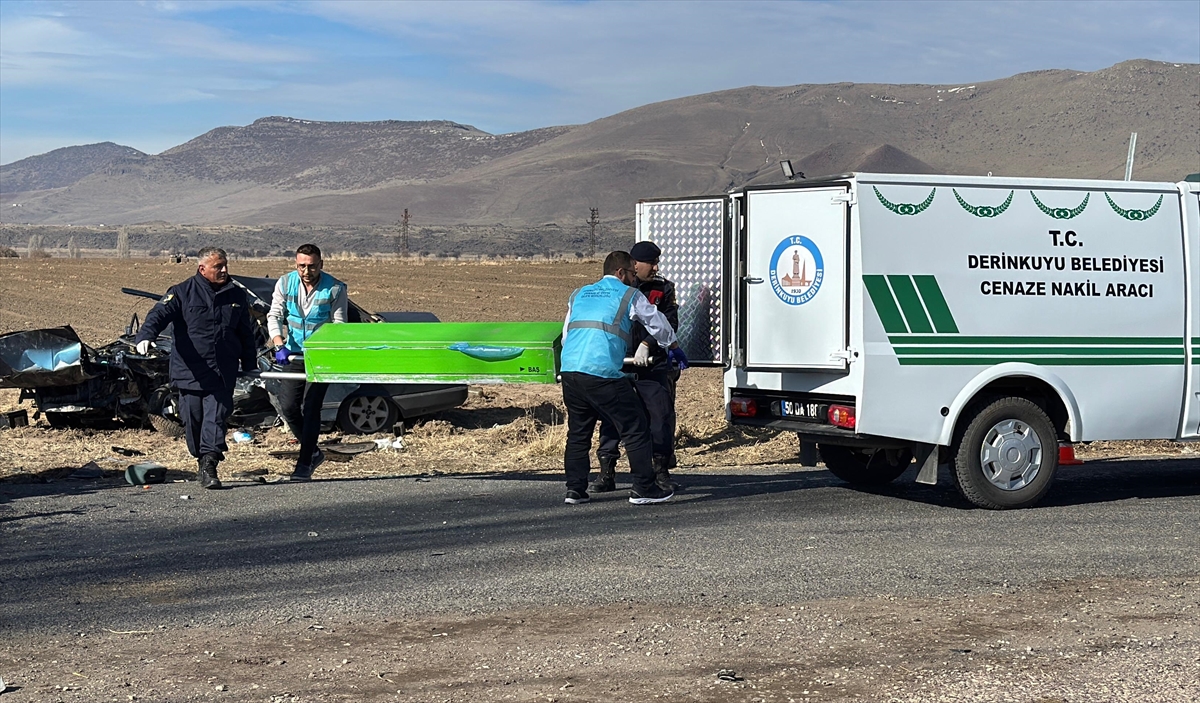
14 418
146 472
89 470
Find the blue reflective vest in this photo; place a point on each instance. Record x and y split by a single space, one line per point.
301 326
598 328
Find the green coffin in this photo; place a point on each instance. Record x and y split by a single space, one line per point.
434 352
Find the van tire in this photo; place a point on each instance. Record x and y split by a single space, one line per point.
1019 479
865 467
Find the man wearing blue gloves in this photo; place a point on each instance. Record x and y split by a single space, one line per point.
598 327
303 300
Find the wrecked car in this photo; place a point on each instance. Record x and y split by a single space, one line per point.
74 385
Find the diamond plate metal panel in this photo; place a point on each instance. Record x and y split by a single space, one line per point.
690 234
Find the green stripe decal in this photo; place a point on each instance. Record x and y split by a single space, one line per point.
1042 361
885 305
935 302
910 303
944 350
1033 351
1135 341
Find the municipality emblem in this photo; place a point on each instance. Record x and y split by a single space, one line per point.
796 270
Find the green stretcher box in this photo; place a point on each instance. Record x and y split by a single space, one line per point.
434 352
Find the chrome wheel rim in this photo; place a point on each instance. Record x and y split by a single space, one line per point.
1011 455
368 413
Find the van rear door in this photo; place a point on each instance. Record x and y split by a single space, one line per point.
692 233
794 291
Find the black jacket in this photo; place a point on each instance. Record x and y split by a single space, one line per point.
661 293
213 333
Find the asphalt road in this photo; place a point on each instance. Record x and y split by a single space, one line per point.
84 555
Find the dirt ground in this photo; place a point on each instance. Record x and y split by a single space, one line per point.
1104 641
1116 640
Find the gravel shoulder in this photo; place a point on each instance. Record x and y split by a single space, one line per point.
1081 640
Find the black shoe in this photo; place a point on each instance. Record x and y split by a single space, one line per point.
662 479
662 474
207 473
603 484
606 482
654 494
304 472
577 497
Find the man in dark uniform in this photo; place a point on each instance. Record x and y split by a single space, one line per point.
600 319
212 334
653 376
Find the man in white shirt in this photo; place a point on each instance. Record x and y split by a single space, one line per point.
303 300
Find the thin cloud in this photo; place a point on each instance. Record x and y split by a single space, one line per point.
97 68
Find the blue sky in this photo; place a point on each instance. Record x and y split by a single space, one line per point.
153 74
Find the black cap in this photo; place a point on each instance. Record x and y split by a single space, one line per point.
646 252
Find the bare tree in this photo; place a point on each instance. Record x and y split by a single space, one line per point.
122 244
73 248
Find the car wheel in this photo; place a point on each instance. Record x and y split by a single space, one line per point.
367 414
865 467
1007 456
162 412
166 427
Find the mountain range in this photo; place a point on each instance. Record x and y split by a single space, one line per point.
1054 123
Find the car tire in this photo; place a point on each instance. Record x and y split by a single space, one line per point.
367 414
1007 456
165 426
865 467
162 403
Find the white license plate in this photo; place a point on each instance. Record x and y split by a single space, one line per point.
804 410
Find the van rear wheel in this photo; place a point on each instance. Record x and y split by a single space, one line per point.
865 467
1007 456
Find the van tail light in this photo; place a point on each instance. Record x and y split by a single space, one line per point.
743 407
842 416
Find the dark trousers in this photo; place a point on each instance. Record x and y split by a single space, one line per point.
590 399
204 414
656 387
300 405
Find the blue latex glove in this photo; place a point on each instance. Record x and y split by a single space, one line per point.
677 357
281 356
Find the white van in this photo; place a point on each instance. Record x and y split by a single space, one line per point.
974 322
